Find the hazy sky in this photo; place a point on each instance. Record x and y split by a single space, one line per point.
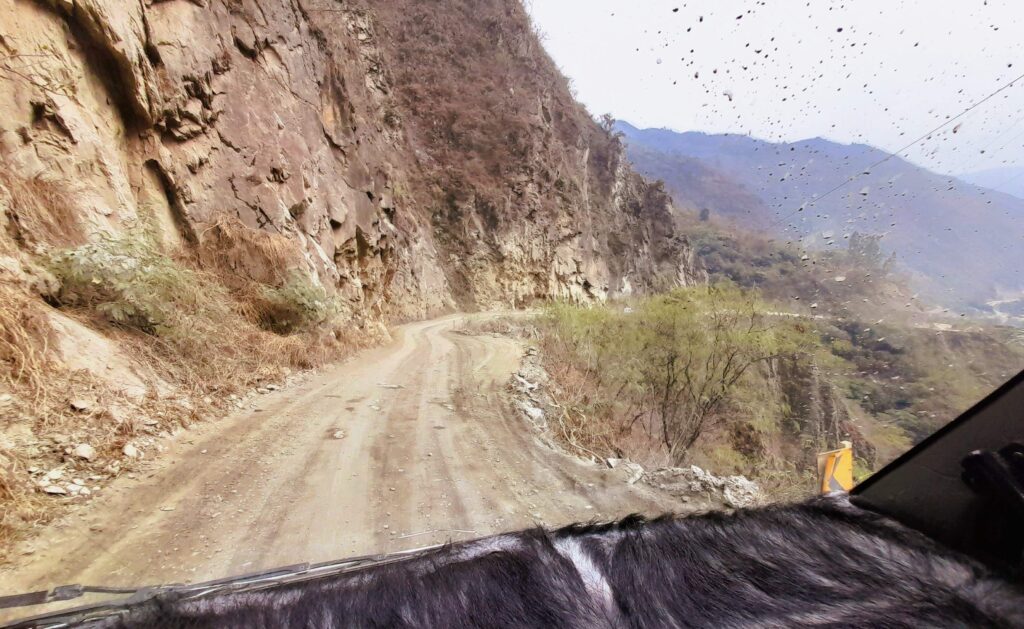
881 72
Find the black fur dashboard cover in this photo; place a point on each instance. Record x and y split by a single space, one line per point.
821 563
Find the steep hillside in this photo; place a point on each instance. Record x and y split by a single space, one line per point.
962 242
527 196
198 197
375 139
719 377
368 137
696 185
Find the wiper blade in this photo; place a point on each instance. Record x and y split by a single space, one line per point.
288 574
60 593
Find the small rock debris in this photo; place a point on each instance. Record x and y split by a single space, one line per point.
81 405
85 451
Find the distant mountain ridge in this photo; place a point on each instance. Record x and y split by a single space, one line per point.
963 243
1009 179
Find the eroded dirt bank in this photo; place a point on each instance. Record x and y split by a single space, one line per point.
407 446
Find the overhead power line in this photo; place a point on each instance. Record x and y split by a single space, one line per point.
811 202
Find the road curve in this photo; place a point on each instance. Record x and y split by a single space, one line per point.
429 453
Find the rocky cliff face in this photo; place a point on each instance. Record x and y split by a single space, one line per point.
190 113
412 157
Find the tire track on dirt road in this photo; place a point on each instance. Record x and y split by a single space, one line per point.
271 486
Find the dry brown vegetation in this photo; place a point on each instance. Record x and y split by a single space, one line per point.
241 256
39 213
502 143
489 104
23 341
24 337
198 325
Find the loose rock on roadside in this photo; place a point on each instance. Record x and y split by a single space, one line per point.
85 451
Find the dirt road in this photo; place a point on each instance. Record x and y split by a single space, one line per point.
429 453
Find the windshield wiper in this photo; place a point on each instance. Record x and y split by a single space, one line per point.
61 593
179 591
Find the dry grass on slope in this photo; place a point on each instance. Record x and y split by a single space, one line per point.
481 96
23 341
136 344
38 214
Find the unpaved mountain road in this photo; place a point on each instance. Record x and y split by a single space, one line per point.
430 453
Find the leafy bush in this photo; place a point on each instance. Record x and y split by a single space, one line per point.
842 348
298 304
669 365
130 281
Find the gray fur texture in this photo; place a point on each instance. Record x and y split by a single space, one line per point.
823 563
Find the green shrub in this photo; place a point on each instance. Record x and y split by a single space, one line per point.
299 304
130 281
861 470
842 348
672 363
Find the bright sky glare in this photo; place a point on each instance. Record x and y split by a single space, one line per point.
879 72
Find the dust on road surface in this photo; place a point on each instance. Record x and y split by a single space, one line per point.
429 452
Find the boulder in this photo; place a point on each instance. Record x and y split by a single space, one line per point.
634 471
85 451
81 405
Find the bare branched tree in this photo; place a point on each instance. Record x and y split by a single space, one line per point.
697 346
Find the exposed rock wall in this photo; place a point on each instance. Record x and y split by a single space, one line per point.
301 119
529 198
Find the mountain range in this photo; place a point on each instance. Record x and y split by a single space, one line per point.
1009 179
962 243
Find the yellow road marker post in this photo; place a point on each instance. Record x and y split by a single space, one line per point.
835 469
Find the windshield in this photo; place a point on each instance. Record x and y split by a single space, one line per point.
286 283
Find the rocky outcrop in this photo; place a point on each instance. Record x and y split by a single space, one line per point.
734 492
184 114
529 198
305 120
